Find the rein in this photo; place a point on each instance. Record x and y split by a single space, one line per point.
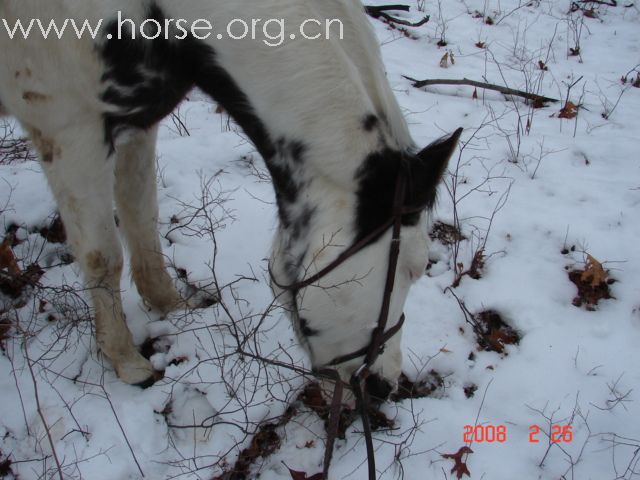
379 336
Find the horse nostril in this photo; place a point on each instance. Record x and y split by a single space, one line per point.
377 387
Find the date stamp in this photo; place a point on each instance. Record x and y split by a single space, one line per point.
499 434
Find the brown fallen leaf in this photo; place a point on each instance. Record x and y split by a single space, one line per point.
570 110
444 61
459 468
5 326
7 258
296 475
594 272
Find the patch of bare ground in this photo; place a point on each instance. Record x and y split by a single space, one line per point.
420 388
265 442
592 281
16 287
16 284
313 399
267 439
470 390
446 234
5 466
493 334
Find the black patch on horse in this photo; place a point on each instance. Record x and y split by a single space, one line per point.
305 329
146 79
300 223
297 150
370 122
286 169
376 179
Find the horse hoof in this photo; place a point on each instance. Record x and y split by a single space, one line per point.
146 383
149 382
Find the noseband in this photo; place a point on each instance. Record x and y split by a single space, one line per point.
380 335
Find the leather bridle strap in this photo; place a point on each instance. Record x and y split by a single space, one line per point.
378 339
384 338
344 256
395 220
334 417
379 335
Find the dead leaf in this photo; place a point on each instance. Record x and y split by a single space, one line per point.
594 272
296 475
592 282
570 110
5 468
420 388
444 61
497 339
470 390
379 420
5 326
493 333
459 468
8 259
475 94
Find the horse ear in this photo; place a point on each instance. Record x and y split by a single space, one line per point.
427 170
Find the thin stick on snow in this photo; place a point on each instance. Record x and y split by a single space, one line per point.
487 86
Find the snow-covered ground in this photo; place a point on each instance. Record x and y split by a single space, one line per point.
539 192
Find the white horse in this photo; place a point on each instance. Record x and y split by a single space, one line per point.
320 112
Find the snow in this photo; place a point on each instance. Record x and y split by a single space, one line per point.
569 182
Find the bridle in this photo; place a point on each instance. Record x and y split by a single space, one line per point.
380 335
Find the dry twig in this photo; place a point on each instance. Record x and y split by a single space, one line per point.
487 86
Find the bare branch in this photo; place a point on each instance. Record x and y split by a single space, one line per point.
487 86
